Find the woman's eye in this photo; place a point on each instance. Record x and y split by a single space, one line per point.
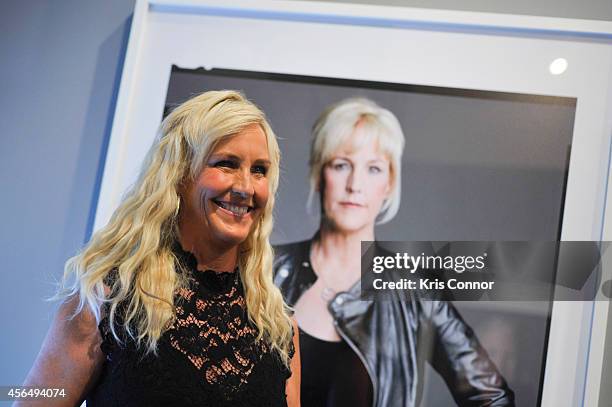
225 164
259 169
374 169
338 166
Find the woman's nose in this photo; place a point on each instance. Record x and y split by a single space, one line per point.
243 185
354 181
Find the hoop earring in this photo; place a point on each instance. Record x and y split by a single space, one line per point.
178 206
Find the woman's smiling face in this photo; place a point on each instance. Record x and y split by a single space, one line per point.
230 193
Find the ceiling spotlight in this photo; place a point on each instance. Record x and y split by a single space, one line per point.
558 66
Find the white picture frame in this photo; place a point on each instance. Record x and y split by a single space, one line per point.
468 50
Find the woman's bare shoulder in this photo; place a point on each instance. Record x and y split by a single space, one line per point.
70 357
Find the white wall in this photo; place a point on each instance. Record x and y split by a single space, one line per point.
587 9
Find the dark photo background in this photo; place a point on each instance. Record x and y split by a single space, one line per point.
477 166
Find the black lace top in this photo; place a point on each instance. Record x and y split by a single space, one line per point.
208 357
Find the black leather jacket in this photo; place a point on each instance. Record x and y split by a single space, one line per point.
394 338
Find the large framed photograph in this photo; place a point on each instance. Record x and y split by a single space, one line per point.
507 129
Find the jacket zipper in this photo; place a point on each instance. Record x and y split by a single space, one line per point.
362 358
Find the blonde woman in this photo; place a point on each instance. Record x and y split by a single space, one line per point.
369 353
172 302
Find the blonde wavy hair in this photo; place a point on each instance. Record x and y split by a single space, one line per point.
136 244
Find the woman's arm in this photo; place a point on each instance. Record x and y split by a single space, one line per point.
292 388
70 357
458 356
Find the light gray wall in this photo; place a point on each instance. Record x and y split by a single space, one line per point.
59 74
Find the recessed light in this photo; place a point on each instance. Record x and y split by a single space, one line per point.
558 66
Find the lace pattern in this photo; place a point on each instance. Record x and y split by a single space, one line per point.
216 336
210 351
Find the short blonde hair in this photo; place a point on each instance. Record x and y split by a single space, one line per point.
137 242
338 123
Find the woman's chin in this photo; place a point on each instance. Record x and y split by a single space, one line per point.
231 238
349 225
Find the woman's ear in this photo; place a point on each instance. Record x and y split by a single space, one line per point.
183 185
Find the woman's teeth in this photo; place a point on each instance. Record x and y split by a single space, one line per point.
235 209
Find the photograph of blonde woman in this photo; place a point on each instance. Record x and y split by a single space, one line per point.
393 163
172 303
369 353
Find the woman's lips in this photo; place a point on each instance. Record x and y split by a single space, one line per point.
348 204
233 208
